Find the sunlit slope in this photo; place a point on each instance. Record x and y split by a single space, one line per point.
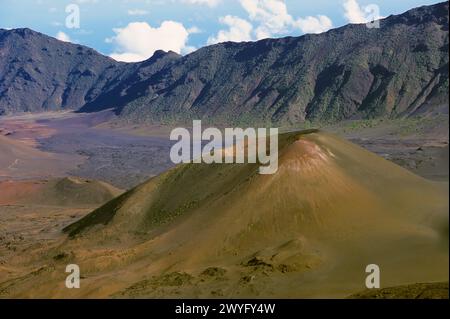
64 192
13 153
19 160
223 230
323 184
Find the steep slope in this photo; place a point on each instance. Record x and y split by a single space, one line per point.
350 72
224 230
39 73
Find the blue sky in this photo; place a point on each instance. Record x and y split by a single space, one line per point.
132 30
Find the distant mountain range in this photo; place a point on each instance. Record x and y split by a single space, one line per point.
350 72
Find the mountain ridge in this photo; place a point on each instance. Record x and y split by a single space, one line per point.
350 72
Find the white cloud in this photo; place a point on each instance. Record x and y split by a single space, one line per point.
354 13
271 15
63 37
268 18
238 30
129 57
138 40
209 3
194 30
317 24
137 12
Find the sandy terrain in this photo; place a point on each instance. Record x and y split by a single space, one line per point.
68 144
97 146
33 214
166 247
20 160
307 231
61 192
29 229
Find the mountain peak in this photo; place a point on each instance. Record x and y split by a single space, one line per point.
160 54
24 32
340 74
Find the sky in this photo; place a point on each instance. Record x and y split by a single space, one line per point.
132 30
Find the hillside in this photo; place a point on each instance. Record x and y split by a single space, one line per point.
40 73
61 192
351 72
307 231
24 161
